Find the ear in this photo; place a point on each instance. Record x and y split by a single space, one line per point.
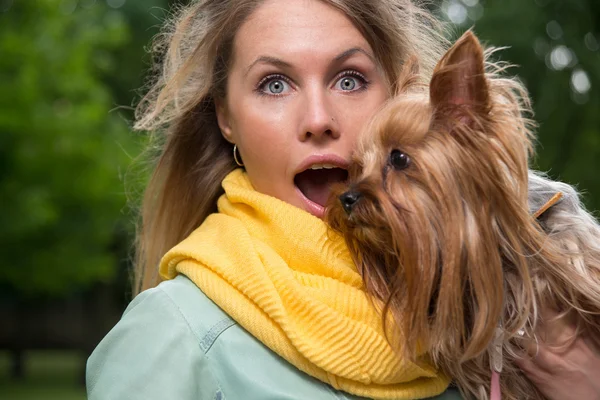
223 119
459 79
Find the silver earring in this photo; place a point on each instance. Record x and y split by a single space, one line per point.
235 156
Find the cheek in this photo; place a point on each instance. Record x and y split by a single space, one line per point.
266 113
266 159
262 129
266 145
263 132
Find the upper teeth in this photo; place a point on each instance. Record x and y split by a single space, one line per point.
322 166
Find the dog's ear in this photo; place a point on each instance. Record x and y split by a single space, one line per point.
459 81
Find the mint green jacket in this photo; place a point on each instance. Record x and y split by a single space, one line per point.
174 343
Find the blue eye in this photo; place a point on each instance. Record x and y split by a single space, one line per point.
350 81
274 85
348 84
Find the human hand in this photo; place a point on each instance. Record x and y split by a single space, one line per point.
562 372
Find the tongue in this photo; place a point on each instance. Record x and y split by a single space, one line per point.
316 184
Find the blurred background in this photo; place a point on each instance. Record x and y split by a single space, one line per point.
70 72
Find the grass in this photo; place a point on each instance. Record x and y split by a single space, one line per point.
49 375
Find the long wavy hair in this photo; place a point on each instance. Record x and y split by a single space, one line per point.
186 150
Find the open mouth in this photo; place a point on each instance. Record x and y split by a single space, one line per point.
316 182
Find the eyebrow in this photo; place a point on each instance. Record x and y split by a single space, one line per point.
350 52
268 60
283 64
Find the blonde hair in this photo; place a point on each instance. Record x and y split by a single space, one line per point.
189 154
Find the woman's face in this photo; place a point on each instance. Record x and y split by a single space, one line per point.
302 84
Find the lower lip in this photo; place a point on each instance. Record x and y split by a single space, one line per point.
315 209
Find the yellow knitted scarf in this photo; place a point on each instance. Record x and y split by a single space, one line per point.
291 283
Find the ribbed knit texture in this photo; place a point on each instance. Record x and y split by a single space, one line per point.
290 282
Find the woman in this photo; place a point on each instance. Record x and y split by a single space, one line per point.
261 301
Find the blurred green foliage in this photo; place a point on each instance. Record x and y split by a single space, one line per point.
65 145
62 152
555 45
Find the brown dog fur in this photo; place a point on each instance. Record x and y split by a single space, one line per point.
439 225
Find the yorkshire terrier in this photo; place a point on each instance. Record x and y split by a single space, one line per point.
437 217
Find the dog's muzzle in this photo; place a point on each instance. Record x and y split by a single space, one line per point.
349 200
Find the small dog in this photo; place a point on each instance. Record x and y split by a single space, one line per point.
437 219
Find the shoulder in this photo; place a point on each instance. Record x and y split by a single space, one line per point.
190 304
178 307
181 306
157 349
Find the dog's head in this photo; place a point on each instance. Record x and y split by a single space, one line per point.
435 209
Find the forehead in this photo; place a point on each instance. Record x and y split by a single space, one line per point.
303 30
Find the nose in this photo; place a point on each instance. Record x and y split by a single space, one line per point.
320 119
349 200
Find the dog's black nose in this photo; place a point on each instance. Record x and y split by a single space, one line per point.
349 199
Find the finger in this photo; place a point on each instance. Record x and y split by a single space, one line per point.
554 328
529 345
531 370
538 357
547 360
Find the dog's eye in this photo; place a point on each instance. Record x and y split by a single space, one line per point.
399 160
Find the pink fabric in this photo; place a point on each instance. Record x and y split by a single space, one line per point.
495 389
